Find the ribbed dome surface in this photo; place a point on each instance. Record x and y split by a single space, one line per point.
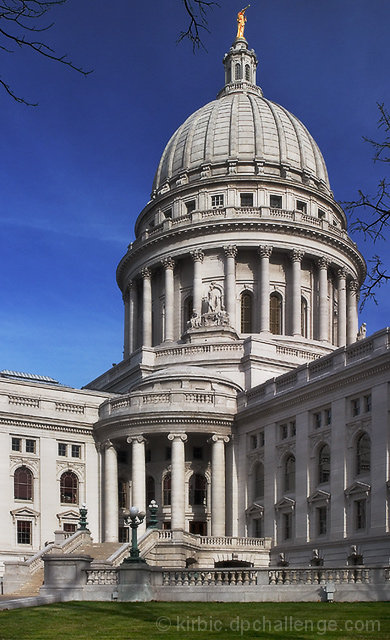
241 126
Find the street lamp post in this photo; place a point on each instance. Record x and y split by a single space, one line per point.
136 517
153 508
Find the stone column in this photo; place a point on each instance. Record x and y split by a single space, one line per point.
126 302
138 474
265 254
323 321
197 256
110 493
132 316
218 485
178 480
342 308
352 323
296 259
147 308
230 278
169 266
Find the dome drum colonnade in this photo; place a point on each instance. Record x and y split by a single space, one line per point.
346 287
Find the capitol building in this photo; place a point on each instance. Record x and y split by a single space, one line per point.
249 404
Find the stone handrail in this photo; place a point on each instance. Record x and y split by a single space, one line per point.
119 555
202 577
319 575
71 543
102 576
233 541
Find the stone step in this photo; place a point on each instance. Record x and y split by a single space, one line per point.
100 552
31 586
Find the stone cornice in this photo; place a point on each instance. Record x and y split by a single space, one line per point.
14 424
295 396
282 227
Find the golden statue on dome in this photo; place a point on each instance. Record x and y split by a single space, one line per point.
241 20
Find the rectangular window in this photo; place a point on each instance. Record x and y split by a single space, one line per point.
16 444
258 528
287 526
328 416
275 202
76 451
283 431
62 449
321 214
360 514
217 201
317 419
168 214
246 199
261 439
70 527
190 206
197 453
322 513
123 534
30 446
301 206
367 403
355 407
253 442
24 531
293 428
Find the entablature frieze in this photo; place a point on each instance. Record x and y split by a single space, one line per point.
286 228
14 424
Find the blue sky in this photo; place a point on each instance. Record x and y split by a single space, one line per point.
77 169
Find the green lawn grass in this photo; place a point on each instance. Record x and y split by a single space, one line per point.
190 620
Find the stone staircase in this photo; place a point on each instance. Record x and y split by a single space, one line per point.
105 552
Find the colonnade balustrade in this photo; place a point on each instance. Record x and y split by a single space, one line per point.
346 286
178 500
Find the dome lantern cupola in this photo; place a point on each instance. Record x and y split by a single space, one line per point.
240 69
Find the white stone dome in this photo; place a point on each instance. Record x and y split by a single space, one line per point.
245 127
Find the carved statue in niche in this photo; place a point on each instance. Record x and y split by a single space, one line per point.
214 299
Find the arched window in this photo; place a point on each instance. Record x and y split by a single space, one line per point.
275 314
123 494
247 73
289 473
229 75
69 488
324 464
23 484
303 317
258 481
363 454
150 490
187 311
246 312
167 490
198 489
238 72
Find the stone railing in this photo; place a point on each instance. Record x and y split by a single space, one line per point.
198 349
321 575
230 541
339 359
217 577
102 576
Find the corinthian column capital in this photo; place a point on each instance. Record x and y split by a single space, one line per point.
230 251
341 273
323 262
297 255
197 255
168 263
146 273
264 250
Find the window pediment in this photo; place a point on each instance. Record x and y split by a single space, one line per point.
358 488
319 496
24 512
256 509
285 503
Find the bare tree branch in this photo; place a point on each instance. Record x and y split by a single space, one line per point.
23 18
197 13
371 213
